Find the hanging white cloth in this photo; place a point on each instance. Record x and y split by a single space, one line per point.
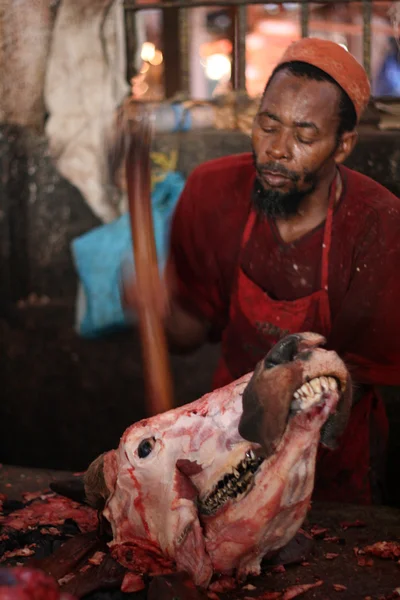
85 84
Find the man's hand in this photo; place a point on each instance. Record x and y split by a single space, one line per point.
158 292
185 331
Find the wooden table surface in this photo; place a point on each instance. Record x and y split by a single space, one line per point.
333 562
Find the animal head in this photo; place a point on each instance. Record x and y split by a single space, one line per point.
211 481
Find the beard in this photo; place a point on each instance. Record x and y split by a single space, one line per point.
274 202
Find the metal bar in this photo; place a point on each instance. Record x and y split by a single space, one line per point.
130 40
367 14
184 52
172 52
305 18
239 48
132 5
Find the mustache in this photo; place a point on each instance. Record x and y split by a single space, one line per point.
277 169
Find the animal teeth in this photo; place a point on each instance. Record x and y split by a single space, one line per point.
324 383
308 389
232 484
332 384
310 393
316 385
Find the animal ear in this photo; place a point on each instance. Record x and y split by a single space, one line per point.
99 479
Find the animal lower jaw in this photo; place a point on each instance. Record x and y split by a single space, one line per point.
233 485
237 483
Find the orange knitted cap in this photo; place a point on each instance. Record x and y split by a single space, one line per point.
336 62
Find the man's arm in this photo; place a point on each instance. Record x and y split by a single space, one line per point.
189 295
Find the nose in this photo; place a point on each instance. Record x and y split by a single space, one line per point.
279 145
292 346
283 352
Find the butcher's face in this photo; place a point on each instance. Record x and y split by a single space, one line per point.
295 143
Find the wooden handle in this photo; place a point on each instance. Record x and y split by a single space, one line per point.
157 372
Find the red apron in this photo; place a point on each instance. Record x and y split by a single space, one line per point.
256 324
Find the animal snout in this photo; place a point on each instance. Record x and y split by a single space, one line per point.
295 346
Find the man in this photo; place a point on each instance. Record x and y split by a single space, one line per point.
289 240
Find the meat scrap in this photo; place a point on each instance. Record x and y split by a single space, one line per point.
50 531
318 532
97 558
334 539
249 586
290 592
50 510
338 587
297 590
348 524
305 533
66 579
27 551
331 555
29 496
389 550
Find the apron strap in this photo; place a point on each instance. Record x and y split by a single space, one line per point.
327 241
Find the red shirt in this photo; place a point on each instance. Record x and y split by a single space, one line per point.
364 282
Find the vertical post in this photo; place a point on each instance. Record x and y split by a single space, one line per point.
131 42
171 51
184 48
239 15
305 16
367 14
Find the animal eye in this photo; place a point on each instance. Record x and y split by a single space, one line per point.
145 447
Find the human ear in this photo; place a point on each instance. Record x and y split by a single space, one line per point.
346 145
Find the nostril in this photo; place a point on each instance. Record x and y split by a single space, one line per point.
283 352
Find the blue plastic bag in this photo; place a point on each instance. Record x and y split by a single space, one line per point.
102 253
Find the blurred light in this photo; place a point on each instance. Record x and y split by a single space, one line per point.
148 51
272 8
252 72
277 27
145 68
140 89
217 66
222 46
254 41
290 5
157 58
